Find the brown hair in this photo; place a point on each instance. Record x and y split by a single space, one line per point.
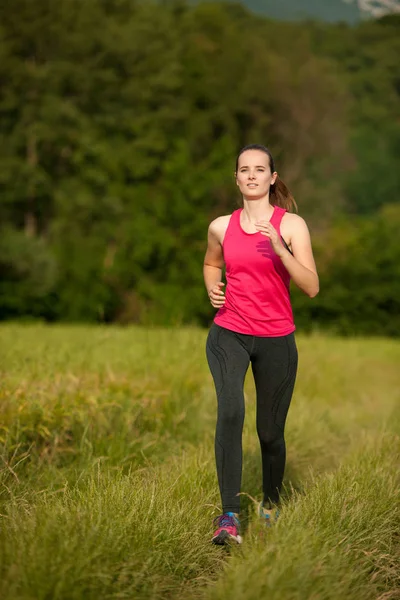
279 194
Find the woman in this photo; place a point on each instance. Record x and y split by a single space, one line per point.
262 247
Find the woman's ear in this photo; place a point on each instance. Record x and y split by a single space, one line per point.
274 177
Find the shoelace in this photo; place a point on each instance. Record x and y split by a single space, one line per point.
226 520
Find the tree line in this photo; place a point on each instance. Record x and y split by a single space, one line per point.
120 124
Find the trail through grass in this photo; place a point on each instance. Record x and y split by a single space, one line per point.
108 484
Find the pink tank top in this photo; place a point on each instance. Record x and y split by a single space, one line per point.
257 298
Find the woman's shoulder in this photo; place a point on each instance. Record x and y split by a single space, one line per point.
220 221
293 226
219 226
293 221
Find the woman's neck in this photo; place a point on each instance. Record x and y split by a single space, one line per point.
256 210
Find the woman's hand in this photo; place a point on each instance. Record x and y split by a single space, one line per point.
265 228
216 295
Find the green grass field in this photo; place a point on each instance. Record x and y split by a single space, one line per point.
108 484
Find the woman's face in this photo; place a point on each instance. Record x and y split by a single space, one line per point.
254 176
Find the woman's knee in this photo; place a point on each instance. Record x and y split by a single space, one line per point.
230 417
272 441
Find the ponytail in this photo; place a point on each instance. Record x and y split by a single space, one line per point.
280 195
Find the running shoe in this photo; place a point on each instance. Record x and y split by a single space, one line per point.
269 516
228 529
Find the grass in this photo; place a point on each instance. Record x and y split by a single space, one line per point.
108 484
339 539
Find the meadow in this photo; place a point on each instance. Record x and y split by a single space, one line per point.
108 484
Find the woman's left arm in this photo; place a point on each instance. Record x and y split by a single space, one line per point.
300 266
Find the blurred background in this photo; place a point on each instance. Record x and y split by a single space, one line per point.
120 122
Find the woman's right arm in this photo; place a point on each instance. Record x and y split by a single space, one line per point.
214 262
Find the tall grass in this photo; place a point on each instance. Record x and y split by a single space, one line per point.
142 534
108 484
340 539
69 394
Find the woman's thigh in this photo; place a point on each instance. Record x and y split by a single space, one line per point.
274 367
228 358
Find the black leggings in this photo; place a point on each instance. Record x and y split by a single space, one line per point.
274 365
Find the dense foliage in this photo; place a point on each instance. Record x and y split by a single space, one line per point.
120 123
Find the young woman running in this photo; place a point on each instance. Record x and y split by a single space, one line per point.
262 247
